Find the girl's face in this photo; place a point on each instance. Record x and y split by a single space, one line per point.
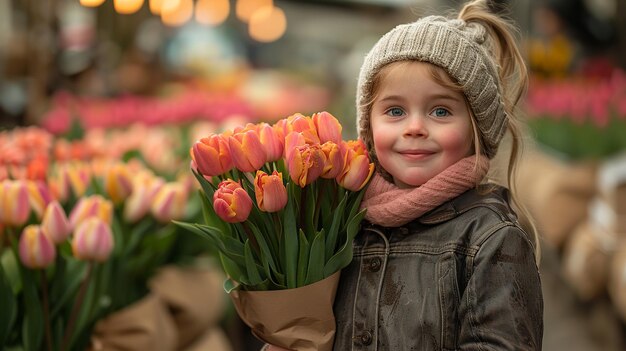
419 127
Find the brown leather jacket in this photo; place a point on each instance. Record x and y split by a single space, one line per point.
461 277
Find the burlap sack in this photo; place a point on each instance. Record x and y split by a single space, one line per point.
299 319
145 325
617 280
556 193
180 313
195 298
586 259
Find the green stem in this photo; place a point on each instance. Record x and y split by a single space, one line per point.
46 308
76 307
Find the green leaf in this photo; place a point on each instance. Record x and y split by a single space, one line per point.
230 285
309 210
290 244
65 285
11 271
333 232
343 257
32 327
232 269
303 258
253 274
210 217
315 271
8 306
268 258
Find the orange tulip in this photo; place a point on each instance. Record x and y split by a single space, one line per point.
305 125
92 240
271 142
293 140
247 151
306 164
212 155
358 169
334 160
328 127
231 202
36 249
270 192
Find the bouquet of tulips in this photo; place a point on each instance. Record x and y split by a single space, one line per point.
282 204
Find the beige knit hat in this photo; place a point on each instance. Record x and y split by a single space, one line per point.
457 47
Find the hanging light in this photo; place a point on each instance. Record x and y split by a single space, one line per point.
91 3
245 8
267 24
212 12
155 7
127 7
176 12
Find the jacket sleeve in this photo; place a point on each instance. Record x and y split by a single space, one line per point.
502 305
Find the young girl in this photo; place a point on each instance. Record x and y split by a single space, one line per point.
441 262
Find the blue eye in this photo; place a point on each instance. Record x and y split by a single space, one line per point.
395 112
440 112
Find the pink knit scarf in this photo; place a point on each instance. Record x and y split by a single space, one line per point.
390 206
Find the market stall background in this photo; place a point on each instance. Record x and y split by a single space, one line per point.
100 101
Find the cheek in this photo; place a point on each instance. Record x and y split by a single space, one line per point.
457 142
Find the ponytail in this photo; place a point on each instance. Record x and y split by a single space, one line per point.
513 77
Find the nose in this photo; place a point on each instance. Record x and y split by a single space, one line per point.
415 126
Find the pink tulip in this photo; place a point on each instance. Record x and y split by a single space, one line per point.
55 223
14 203
334 160
270 192
36 249
358 169
117 182
39 196
145 188
271 142
231 202
170 202
247 151
92 206
92 240
306 164
328 127
212 155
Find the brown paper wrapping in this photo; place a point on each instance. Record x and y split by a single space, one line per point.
299 319
556 193
586 260
180 313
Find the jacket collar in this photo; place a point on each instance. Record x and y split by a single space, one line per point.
484 194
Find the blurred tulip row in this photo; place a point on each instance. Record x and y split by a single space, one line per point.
579 118
86 222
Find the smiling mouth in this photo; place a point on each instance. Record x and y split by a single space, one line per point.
416 155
